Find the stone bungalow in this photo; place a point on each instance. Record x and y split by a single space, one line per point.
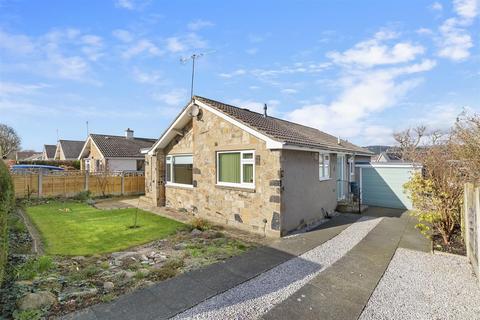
102 152
234 166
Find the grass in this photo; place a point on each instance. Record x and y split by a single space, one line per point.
33 267
73 228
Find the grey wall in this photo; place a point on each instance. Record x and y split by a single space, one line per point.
304 195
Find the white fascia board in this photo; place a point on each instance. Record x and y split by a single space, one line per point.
80 156
170 131
271 143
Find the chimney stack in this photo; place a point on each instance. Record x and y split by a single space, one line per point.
129 133
265 110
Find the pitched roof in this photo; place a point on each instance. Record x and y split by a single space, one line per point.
71 148
284 131
50 150
121 147
23 155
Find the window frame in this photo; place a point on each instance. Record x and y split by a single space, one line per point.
322 157
169 160
242 184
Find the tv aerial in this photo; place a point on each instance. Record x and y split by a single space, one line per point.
193 57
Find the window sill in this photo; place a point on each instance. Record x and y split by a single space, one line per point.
178 185
325 179
239 188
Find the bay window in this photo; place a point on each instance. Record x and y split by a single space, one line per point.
324 166
236 168
179 170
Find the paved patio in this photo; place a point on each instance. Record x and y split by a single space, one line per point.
341 289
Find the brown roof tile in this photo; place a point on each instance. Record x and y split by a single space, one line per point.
121 147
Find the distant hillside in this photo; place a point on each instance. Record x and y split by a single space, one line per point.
378 149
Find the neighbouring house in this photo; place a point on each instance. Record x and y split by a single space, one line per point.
247 169
33 157
114 153
26 155
68 149
49 152
387 157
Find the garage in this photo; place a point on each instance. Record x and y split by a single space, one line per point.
382 184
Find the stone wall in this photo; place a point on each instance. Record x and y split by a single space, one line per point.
255 210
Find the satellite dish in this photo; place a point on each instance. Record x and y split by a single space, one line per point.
194 110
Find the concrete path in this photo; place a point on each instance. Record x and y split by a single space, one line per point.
171 297
343 290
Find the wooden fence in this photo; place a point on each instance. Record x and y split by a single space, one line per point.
471 220
70 183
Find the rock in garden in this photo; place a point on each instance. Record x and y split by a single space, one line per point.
151 255
36 300
179 246
143 257
196 232
82 293
108 286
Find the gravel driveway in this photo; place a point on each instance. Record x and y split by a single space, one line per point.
255 297
421 285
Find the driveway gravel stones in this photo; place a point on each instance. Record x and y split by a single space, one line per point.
257 296
420 285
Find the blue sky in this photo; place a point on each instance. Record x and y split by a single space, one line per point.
357 69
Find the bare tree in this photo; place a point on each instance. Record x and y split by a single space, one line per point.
408 141
9 140
466 135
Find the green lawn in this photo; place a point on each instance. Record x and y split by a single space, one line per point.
84 230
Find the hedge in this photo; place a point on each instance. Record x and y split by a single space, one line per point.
59 163
7 203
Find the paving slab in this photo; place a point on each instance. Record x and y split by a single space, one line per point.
343 289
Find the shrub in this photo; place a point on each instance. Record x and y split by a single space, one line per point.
83 195
7 203
200 224
33 314
32 267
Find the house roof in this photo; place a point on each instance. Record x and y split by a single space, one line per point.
284 131
71 148
23 155
121 147
50 150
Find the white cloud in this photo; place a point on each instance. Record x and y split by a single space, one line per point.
152 77
437 6
11 88
424 31
289 91
125 4
378 135
466 9
175 45
455 42
363 93
238 72
140 47
375 52
251 51
199 24
123 35
185 43
174 97
17 43
93 47
60 53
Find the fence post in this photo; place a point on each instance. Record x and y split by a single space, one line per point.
476 206
468 187
40 183
123 183
86 181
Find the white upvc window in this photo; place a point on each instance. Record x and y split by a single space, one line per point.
236 168
179 170
324 166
